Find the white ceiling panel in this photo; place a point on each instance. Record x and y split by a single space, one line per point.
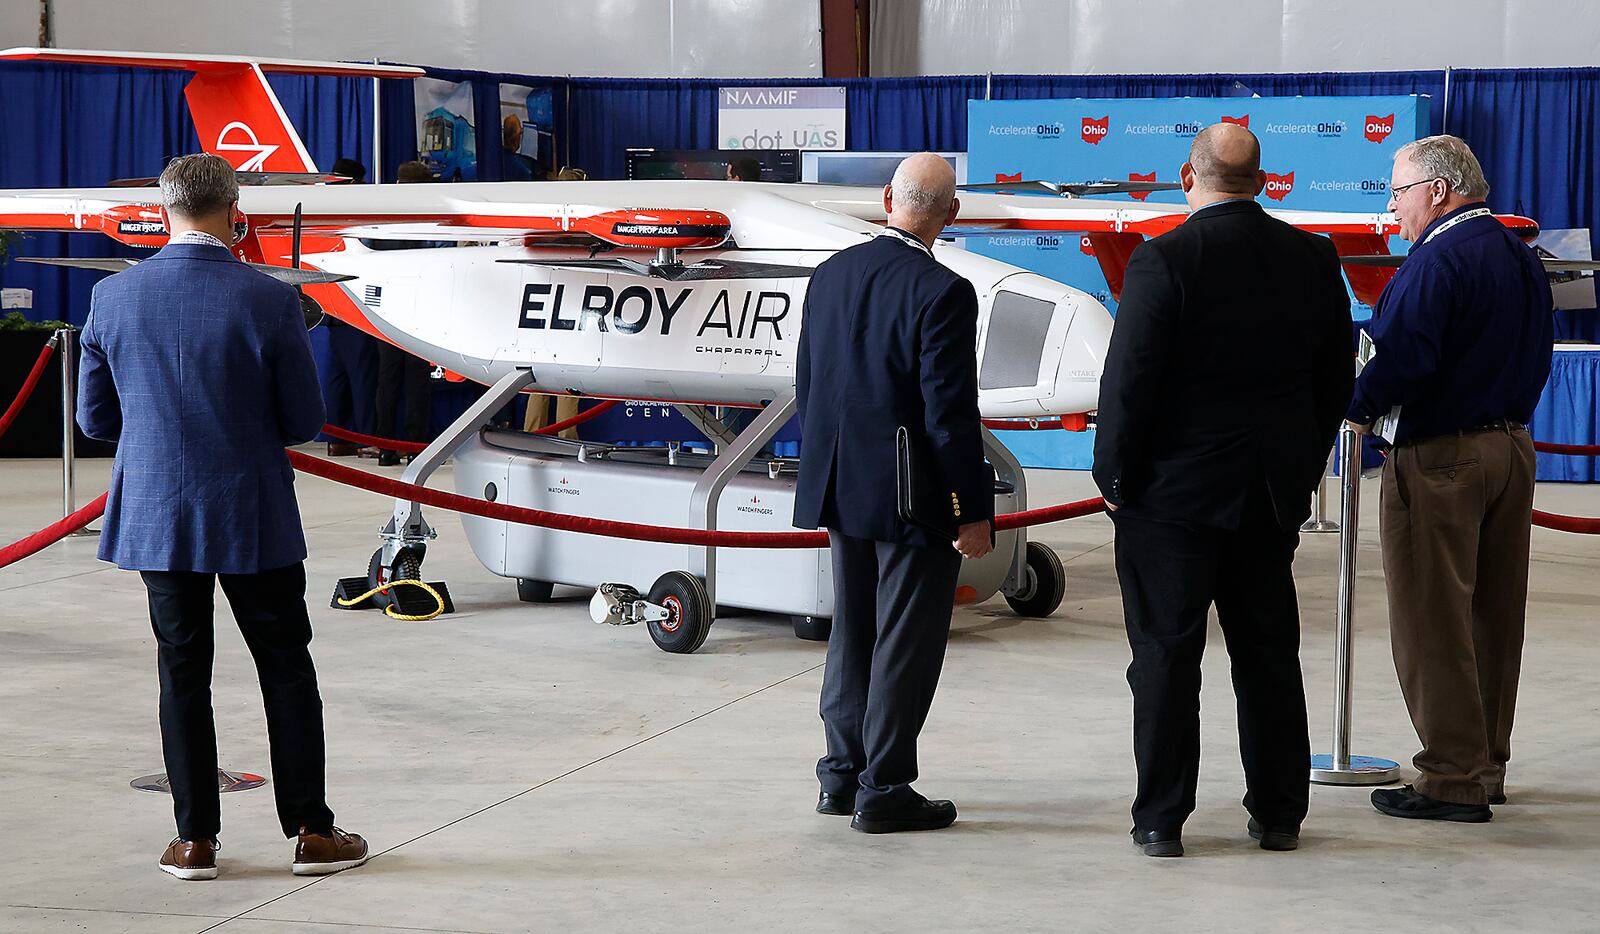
1556 32
19 24
259 27
736 38
1163 36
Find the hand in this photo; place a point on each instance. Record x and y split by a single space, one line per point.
1112 507
973 540
1359 429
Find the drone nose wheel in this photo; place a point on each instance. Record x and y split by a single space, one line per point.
688 621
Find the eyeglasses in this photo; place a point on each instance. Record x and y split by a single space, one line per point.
1395 192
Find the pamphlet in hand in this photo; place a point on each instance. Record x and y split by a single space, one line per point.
1385 426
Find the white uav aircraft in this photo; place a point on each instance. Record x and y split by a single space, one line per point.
685 292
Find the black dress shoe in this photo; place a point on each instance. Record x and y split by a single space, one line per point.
1497 798
1274 838
837 805
920 814
1157 842
1411 803
388 459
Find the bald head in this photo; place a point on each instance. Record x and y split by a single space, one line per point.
1225 160
921 198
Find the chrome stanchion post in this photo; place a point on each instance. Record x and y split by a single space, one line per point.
67 347
1319 521
1341 768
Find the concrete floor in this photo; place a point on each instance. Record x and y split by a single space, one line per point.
518 768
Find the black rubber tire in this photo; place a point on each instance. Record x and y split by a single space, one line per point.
408 566
1049 581
684 596
532 591
812 628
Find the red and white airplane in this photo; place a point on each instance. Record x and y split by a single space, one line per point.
688 292
676 291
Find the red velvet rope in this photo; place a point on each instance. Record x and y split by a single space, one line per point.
632 530
1580 524
552 520
1582 450
52 533
371 441
578 419
27 386
413 447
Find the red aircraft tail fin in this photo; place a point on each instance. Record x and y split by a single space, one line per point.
235 112
239 118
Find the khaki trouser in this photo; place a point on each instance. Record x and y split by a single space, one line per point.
538 414
1455 518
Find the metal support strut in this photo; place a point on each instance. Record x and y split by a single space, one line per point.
1341 768
708 488
407 526
1007 469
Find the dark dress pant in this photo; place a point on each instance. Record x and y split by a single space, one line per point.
1171 573
349 376
403 376
271 612
891 620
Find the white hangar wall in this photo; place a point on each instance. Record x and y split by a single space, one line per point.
937 37
781 38
611 38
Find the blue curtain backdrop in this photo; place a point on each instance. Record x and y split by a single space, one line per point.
1535 131
76 125
85 125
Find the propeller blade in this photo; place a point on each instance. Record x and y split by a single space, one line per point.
103 264
295 277
298 224
246 179
1563 269
1393 261
300 277
1072 189
675 272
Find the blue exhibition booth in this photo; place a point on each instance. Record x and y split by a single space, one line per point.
1327 142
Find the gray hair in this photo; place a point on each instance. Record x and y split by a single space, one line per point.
914 196
199 185
1449 158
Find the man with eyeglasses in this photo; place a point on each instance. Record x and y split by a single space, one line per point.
1463 337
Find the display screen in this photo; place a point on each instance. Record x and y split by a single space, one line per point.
776 165
866 168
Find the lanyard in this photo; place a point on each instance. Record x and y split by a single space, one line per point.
1467 216
906 239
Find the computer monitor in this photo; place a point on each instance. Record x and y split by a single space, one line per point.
865 168
777 165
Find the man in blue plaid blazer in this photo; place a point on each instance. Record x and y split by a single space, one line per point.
198 366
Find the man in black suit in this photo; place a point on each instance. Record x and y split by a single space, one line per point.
889 339
1228 372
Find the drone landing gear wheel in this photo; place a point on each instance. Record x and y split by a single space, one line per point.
534 591
688 613
812 628
1044 585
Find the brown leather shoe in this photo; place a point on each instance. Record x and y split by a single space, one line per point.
316 855
191 860
342 449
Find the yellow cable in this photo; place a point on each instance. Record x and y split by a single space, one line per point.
389 610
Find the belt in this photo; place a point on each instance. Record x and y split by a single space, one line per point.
1506 425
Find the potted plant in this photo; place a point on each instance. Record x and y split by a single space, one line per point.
37 430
